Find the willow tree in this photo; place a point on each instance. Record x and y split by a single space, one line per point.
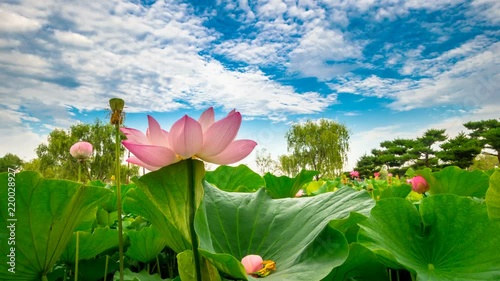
319 145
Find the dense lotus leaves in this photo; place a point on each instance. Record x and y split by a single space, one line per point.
361 265
493 196
457 181
448 238
91 244
240 179
145 244
399 191
161 197
47 213
110 204
348 226
185 261
140 276
283 187
290 231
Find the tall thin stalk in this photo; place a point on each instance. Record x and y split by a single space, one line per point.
77 255
116 119
192 210
119 198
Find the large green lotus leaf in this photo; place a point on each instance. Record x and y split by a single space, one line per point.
128 275
457 181
361 265
399 191
145 244
185 261
47 212
348 226
240 179
493 196
110 205
91 244
283 187
161 197
290 231
448 238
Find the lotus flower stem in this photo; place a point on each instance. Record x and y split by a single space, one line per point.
157 265
119 198
79 171
77 256
106 268
192 210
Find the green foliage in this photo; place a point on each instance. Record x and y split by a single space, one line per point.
291 231
424 154
447 238
321 146
47 212
145 244
493 196
488 133
460 151
454 180
91 244
361 265
283 187
11 161
239 179
54 160
161 197
484 162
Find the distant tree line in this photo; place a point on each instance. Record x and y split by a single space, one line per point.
54 160
435 150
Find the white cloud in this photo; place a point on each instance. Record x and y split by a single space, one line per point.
72 38
13 22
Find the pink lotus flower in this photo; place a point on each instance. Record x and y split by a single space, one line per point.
252 263
204 139
81 150
299 193
419 184
376 174
354 174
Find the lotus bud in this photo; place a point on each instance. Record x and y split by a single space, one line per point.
81 150
419 184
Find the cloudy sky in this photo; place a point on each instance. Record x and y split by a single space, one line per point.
385 69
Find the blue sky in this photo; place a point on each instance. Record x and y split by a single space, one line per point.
385 69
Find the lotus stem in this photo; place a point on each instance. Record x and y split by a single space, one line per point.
106 268
119 198
192 210
77 254
79 170
158 265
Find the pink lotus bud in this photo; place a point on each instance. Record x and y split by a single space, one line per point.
354 174
376 174
252 263
419 184
81 150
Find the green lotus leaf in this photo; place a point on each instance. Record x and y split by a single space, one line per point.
448 238
283 187
140 276
145 244
290 231
47 212
493 196
161 197
399 191
91 244
457 181
185 261
240 179
110 204
361 265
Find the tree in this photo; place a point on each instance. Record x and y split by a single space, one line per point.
320 146
10 160
264 162
54 160
460 151
488 134
424 154
484 162
366 165
288 165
